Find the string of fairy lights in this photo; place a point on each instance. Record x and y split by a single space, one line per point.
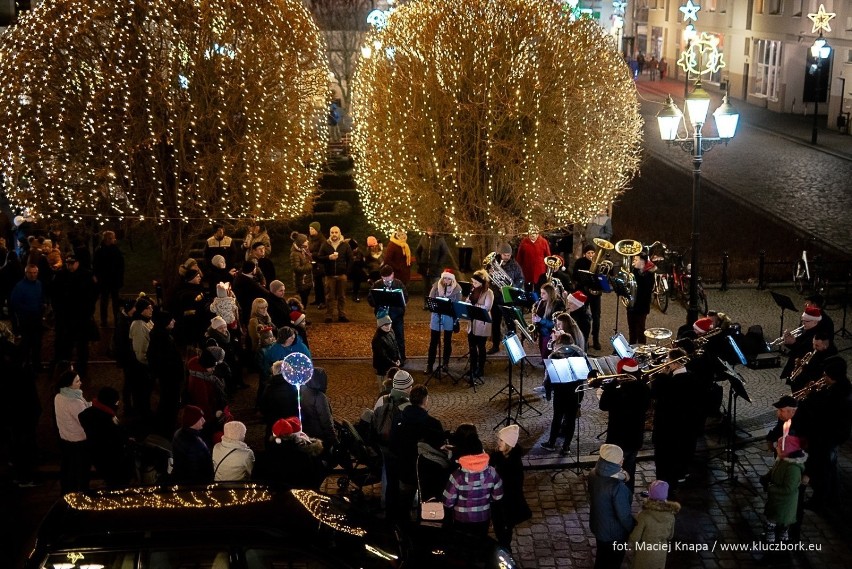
171 110
486 116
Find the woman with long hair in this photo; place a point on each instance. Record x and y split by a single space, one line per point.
448 288
548 304
482 297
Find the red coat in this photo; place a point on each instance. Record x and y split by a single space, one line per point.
531 256
396 259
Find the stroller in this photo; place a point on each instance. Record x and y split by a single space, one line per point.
152 460
359 464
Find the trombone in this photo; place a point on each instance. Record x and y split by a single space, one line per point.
646 375
796 332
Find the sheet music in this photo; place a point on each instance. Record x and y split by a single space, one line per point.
579 368
567 370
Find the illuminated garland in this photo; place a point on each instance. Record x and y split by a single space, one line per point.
489 115
321 508
169 498
163 109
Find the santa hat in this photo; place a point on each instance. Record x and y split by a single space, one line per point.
284 427
191 416
627 365
812 314
448 273
509 435
702 326
297 317
576 300
612 453
217 322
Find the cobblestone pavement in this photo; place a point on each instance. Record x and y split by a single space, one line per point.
770 164
726 513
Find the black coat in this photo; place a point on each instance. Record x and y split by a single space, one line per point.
385 351
340 266
644 290
107 442
511 470
108 267
413 426
627 404
193 462
291 464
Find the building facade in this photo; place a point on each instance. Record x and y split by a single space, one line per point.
766 46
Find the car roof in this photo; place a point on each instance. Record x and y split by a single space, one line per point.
222 514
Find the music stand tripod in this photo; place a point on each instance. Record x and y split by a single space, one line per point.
442 307
736 390
467 311
784 303
516 354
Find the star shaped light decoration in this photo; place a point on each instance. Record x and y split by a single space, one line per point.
821 19
619 6
703 56
690 11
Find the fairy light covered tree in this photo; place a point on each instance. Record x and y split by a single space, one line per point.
175 111
486 116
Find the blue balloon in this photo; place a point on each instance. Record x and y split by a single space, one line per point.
297 369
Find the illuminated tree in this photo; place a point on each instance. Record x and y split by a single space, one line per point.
178 111
488 115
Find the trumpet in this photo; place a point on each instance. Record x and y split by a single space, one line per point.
800 366
812 387
796 332
652 371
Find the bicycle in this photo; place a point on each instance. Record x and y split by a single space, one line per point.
680 276
660 292
806 280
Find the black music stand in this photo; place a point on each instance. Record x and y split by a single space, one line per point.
389 298
465 288
514 318
736 390
467 311
518 297
441 307
516 354
784 303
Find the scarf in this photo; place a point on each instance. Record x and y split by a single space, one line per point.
72 393
406 250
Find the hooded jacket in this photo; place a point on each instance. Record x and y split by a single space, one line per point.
317 421
655 524
609 517
785 476
472 488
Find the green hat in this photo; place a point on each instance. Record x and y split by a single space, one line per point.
316 225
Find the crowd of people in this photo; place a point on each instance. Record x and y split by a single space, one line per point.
185 355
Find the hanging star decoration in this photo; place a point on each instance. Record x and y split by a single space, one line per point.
690 11
821 19
619 6
703 56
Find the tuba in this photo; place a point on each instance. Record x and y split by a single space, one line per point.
499 277
627 248
600 267
554 263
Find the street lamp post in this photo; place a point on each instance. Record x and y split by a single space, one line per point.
820 50
696 144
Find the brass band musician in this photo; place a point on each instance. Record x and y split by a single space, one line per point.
513 270
627 403
825 419
483 297
547 305
584 263
800 345
678 418
810 366
566 399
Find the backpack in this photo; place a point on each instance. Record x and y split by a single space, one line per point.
384 418
755 341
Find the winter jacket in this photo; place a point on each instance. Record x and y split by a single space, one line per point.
478 327
300 261
627 404
453 293
472 488
511 470
193 463
68 404
294 462
530 257
785 476
433 255
343 263
414 425
317 421
140 338
108 265
232 461
385 351
393 311
107 444
609 499
654 524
